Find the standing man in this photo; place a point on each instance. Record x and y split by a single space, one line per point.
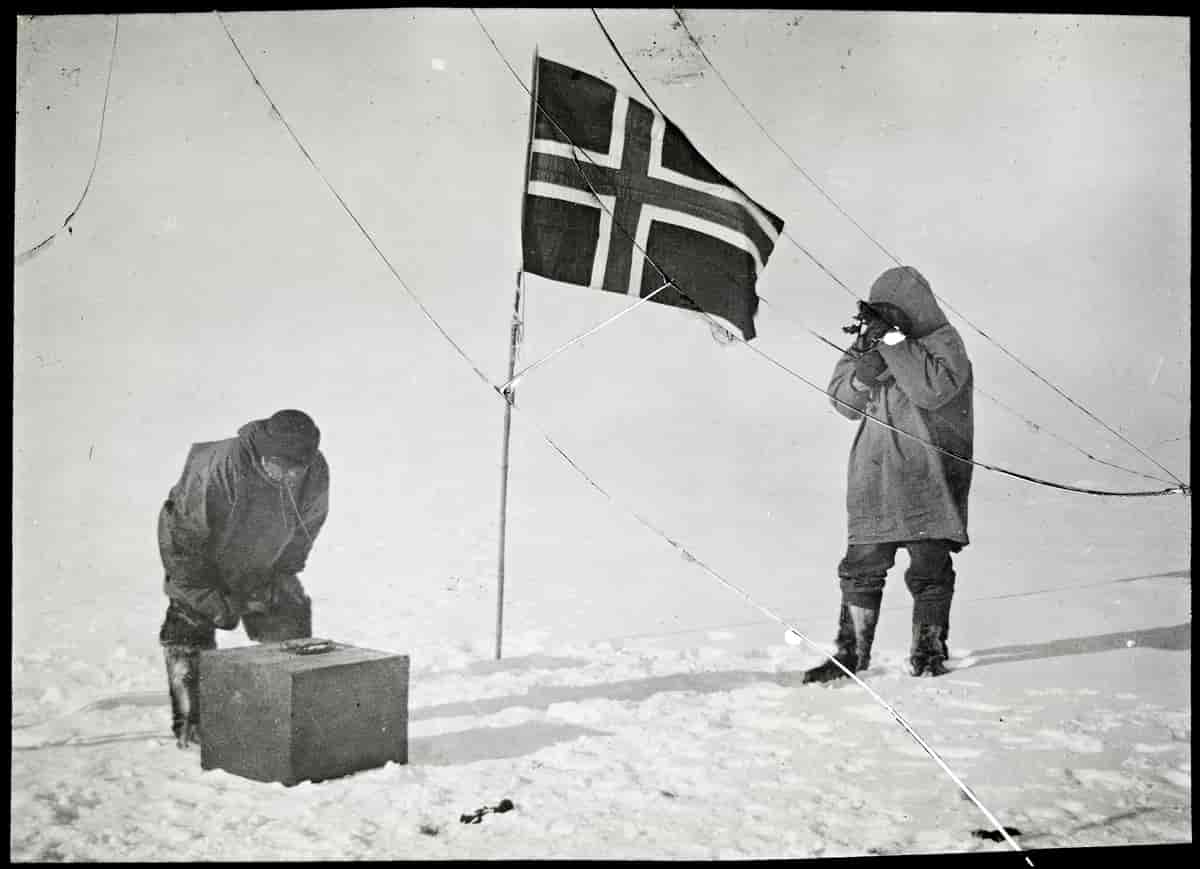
909 369
233 534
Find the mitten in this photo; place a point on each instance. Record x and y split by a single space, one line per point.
869 367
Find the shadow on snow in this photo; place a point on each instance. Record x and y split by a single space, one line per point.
1172 638
631 690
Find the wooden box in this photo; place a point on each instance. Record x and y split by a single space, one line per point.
290 712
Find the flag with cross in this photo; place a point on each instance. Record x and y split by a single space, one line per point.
618 199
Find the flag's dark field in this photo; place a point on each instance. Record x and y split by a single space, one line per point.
641 208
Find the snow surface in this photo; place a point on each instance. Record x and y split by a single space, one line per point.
702 748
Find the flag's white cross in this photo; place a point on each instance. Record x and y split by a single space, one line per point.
585 197
647 212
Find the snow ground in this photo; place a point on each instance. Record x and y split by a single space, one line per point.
697 747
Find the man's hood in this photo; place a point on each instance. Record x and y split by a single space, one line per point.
906 288
251 435
290 434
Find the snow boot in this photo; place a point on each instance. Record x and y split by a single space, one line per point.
183 672
855 636
929 650
865 620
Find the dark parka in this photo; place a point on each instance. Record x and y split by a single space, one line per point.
899 489
227 528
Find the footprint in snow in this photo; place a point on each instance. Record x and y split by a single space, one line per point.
1142 748
1054 740
1104 778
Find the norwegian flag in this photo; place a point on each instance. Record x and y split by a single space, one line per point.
610 178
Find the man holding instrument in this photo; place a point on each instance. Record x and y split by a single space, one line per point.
908 369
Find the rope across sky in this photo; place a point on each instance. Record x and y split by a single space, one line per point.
714 323
29 254
695 42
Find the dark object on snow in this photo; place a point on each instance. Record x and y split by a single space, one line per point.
476 816
995 835
929 650
307 709
855 636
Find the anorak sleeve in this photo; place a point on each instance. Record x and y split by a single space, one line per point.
931 370
841 390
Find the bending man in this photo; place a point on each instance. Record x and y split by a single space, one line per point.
233 534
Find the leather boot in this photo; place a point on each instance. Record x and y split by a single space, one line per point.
855 636
864 619
183 672
929 650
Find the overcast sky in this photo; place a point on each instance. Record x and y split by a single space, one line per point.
1035 168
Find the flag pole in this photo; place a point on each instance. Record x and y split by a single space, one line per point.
515 330
509 397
